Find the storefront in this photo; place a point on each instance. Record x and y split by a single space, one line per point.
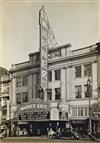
95 115
34 117
37 117
80 125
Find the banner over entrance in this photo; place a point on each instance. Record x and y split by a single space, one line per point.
47 41
34 111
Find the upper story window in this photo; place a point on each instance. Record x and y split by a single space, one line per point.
49 94
7 89
49 75
57 74
87 91
24 80
86 111
24 97
87 70
18 81
78 71
74 111
78 91
21 81
57 93
18 98
54 54
80 111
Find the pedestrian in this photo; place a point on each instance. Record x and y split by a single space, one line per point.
51 133
2 133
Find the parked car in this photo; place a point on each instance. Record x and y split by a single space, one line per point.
91 137
66 134
96 134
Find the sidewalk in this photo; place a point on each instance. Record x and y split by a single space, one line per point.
25 138
37 138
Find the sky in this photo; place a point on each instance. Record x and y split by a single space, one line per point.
75 22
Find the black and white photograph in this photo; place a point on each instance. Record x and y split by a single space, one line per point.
49 71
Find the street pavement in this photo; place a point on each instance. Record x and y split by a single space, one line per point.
40 140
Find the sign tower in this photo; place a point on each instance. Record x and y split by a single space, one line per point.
47 41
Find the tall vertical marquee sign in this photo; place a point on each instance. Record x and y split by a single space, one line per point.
43 47
47 41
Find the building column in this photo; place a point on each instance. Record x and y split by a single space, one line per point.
8 110
53 94
53 75
34 86
63 84
70 90
30 87
53 91
94 79
45 95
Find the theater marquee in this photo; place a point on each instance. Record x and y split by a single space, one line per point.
34 111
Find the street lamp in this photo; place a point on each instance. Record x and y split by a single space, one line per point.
89 95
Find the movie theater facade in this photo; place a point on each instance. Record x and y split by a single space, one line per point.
66 99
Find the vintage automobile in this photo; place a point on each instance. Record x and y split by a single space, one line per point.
96 135
65 134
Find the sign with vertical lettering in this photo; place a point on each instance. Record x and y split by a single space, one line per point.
47 41
43 47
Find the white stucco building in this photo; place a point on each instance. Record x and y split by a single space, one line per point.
67 97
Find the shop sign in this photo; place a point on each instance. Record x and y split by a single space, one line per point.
34 106
63 106
95 111
43 47
22 123
54 114
78 121
36 110
33 116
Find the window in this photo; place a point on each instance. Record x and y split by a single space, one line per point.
57 74
78 71
74 111
87 91
49 75
78 91
80 111
87 70
18 98
49 94
57 94
18 81
57 53
7 89
24 80
86 111
24 96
